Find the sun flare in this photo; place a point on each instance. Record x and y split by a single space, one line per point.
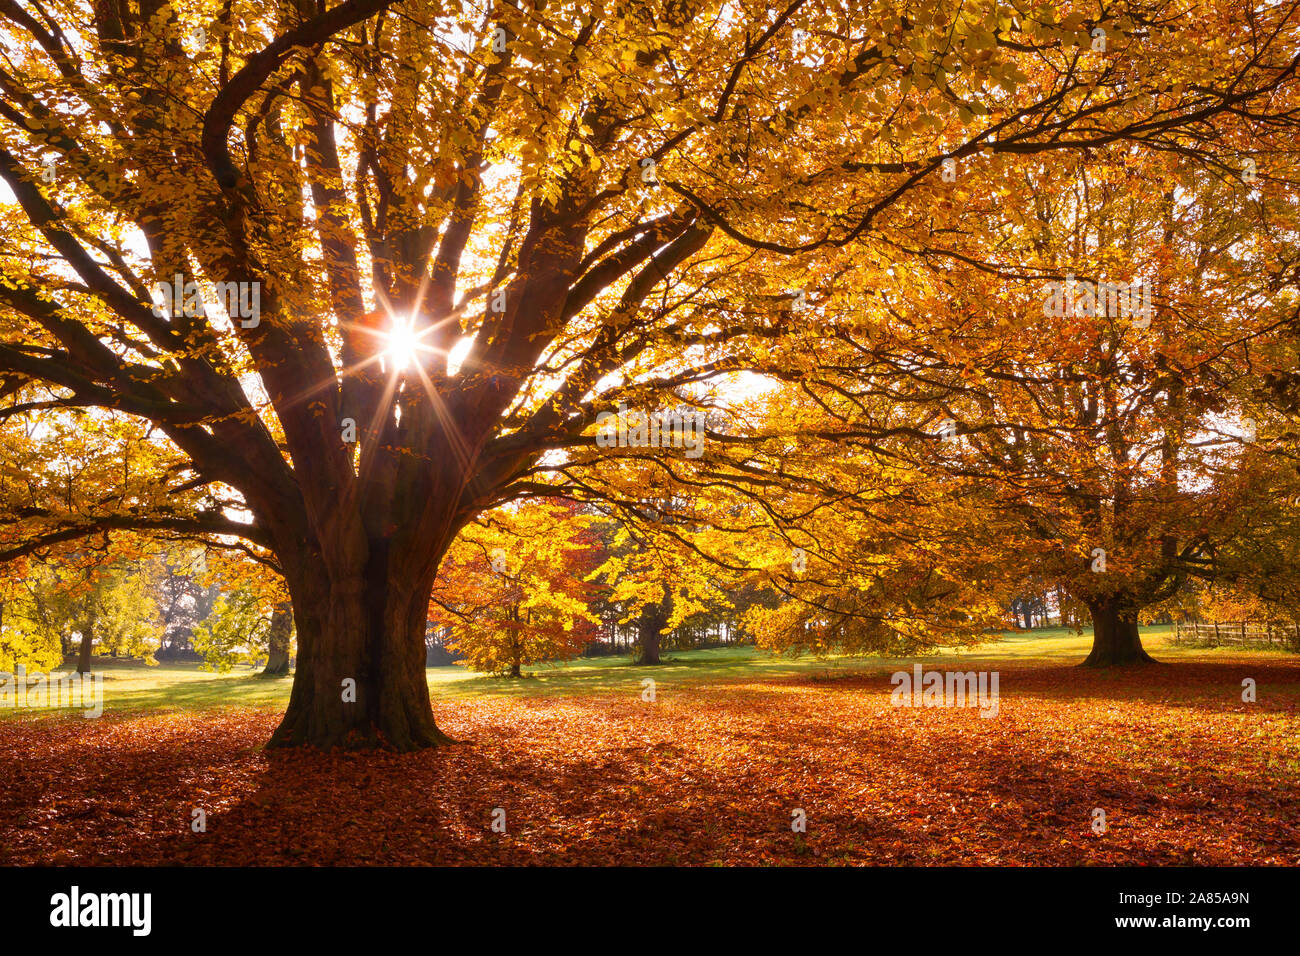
403 344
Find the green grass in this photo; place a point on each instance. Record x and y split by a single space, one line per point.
133 686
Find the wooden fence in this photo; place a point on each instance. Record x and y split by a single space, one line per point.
1238 632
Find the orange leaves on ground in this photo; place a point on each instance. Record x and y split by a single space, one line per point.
1186 773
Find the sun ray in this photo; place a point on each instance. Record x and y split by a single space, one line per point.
399 347
454 439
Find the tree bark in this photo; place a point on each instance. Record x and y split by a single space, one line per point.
360 679
1115 638
516 644
277 660
650 628
87 642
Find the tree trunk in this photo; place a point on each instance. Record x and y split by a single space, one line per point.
516 643
650 628
277 660
87 642
1115 639
360 680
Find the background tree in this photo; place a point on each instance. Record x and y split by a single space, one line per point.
73 603
250 620
29 633
238 631
126 622
183 599
1108 450
512 589
653 583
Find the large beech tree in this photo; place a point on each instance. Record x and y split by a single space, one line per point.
1119 450
543 183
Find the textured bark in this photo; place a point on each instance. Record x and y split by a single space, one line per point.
650 628
360 680
87 642
277 660
1115 638
516 644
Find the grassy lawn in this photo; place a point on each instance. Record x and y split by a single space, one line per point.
132 686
